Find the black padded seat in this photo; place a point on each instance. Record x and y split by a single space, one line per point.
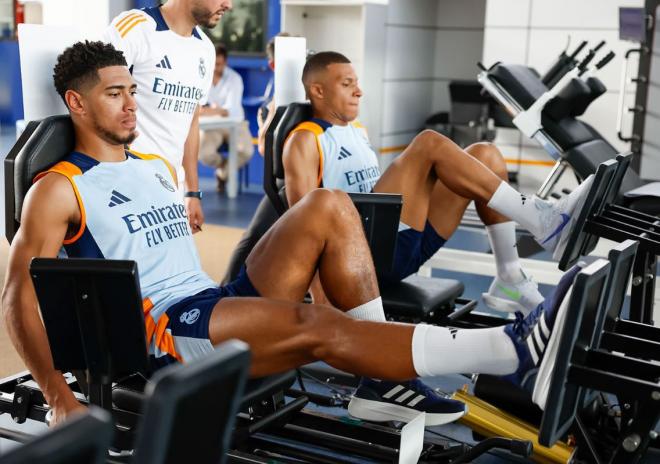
129 393
422 298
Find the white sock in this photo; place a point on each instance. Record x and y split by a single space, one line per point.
520 208
502 238
369 311
439 351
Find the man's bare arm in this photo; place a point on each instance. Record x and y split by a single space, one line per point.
49 208
190 155
301 160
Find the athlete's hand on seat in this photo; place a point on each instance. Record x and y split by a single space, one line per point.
195 214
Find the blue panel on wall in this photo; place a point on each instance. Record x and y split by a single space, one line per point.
11 92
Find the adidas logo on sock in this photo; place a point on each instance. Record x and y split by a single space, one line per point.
117 199
164 63
344 153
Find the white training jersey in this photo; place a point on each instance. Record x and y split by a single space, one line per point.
347 160
131 210
173 74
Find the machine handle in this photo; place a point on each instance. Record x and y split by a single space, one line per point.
609 57
578 50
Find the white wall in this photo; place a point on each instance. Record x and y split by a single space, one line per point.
89 17
428 43
533 32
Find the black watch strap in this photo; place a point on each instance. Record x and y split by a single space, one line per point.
196 194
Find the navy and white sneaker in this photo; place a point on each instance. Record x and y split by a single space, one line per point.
558 218
382 401
531 334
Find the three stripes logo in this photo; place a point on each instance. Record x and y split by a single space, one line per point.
404 396
117 199
538 339
344 153
164 63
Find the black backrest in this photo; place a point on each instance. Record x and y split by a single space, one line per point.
191 409
285 120
41 145
82 439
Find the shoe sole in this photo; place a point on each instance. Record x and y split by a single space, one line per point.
558 252
504 305
377 411
547 366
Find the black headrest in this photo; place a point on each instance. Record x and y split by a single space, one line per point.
522 82
41 145
293 115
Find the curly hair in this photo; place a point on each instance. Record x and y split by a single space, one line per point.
78 64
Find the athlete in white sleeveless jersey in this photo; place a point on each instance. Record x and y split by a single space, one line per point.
346 159
436 178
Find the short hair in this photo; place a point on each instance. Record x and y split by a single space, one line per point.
221 50
270 46
318 62
78 65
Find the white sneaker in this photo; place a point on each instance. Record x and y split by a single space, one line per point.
558 218
523 296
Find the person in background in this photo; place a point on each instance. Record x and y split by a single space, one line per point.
267 109
225 100
265 215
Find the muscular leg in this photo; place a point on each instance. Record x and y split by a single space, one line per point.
322 231
283 335
446 208
432 157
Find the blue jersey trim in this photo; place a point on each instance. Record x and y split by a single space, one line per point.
325 125
155 13
84 162
161 25
84 247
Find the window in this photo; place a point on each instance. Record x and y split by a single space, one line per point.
243 29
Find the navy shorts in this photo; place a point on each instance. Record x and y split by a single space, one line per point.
187 333
413 249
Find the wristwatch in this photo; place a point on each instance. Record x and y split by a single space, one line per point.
196 194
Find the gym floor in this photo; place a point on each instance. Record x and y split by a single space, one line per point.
225 220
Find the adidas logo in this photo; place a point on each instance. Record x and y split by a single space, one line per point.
404 396
344 153
164 63
538 339
117 199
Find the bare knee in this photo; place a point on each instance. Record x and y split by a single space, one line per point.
333 208
430 141
322 327
490 156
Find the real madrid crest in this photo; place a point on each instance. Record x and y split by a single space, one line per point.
202 68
